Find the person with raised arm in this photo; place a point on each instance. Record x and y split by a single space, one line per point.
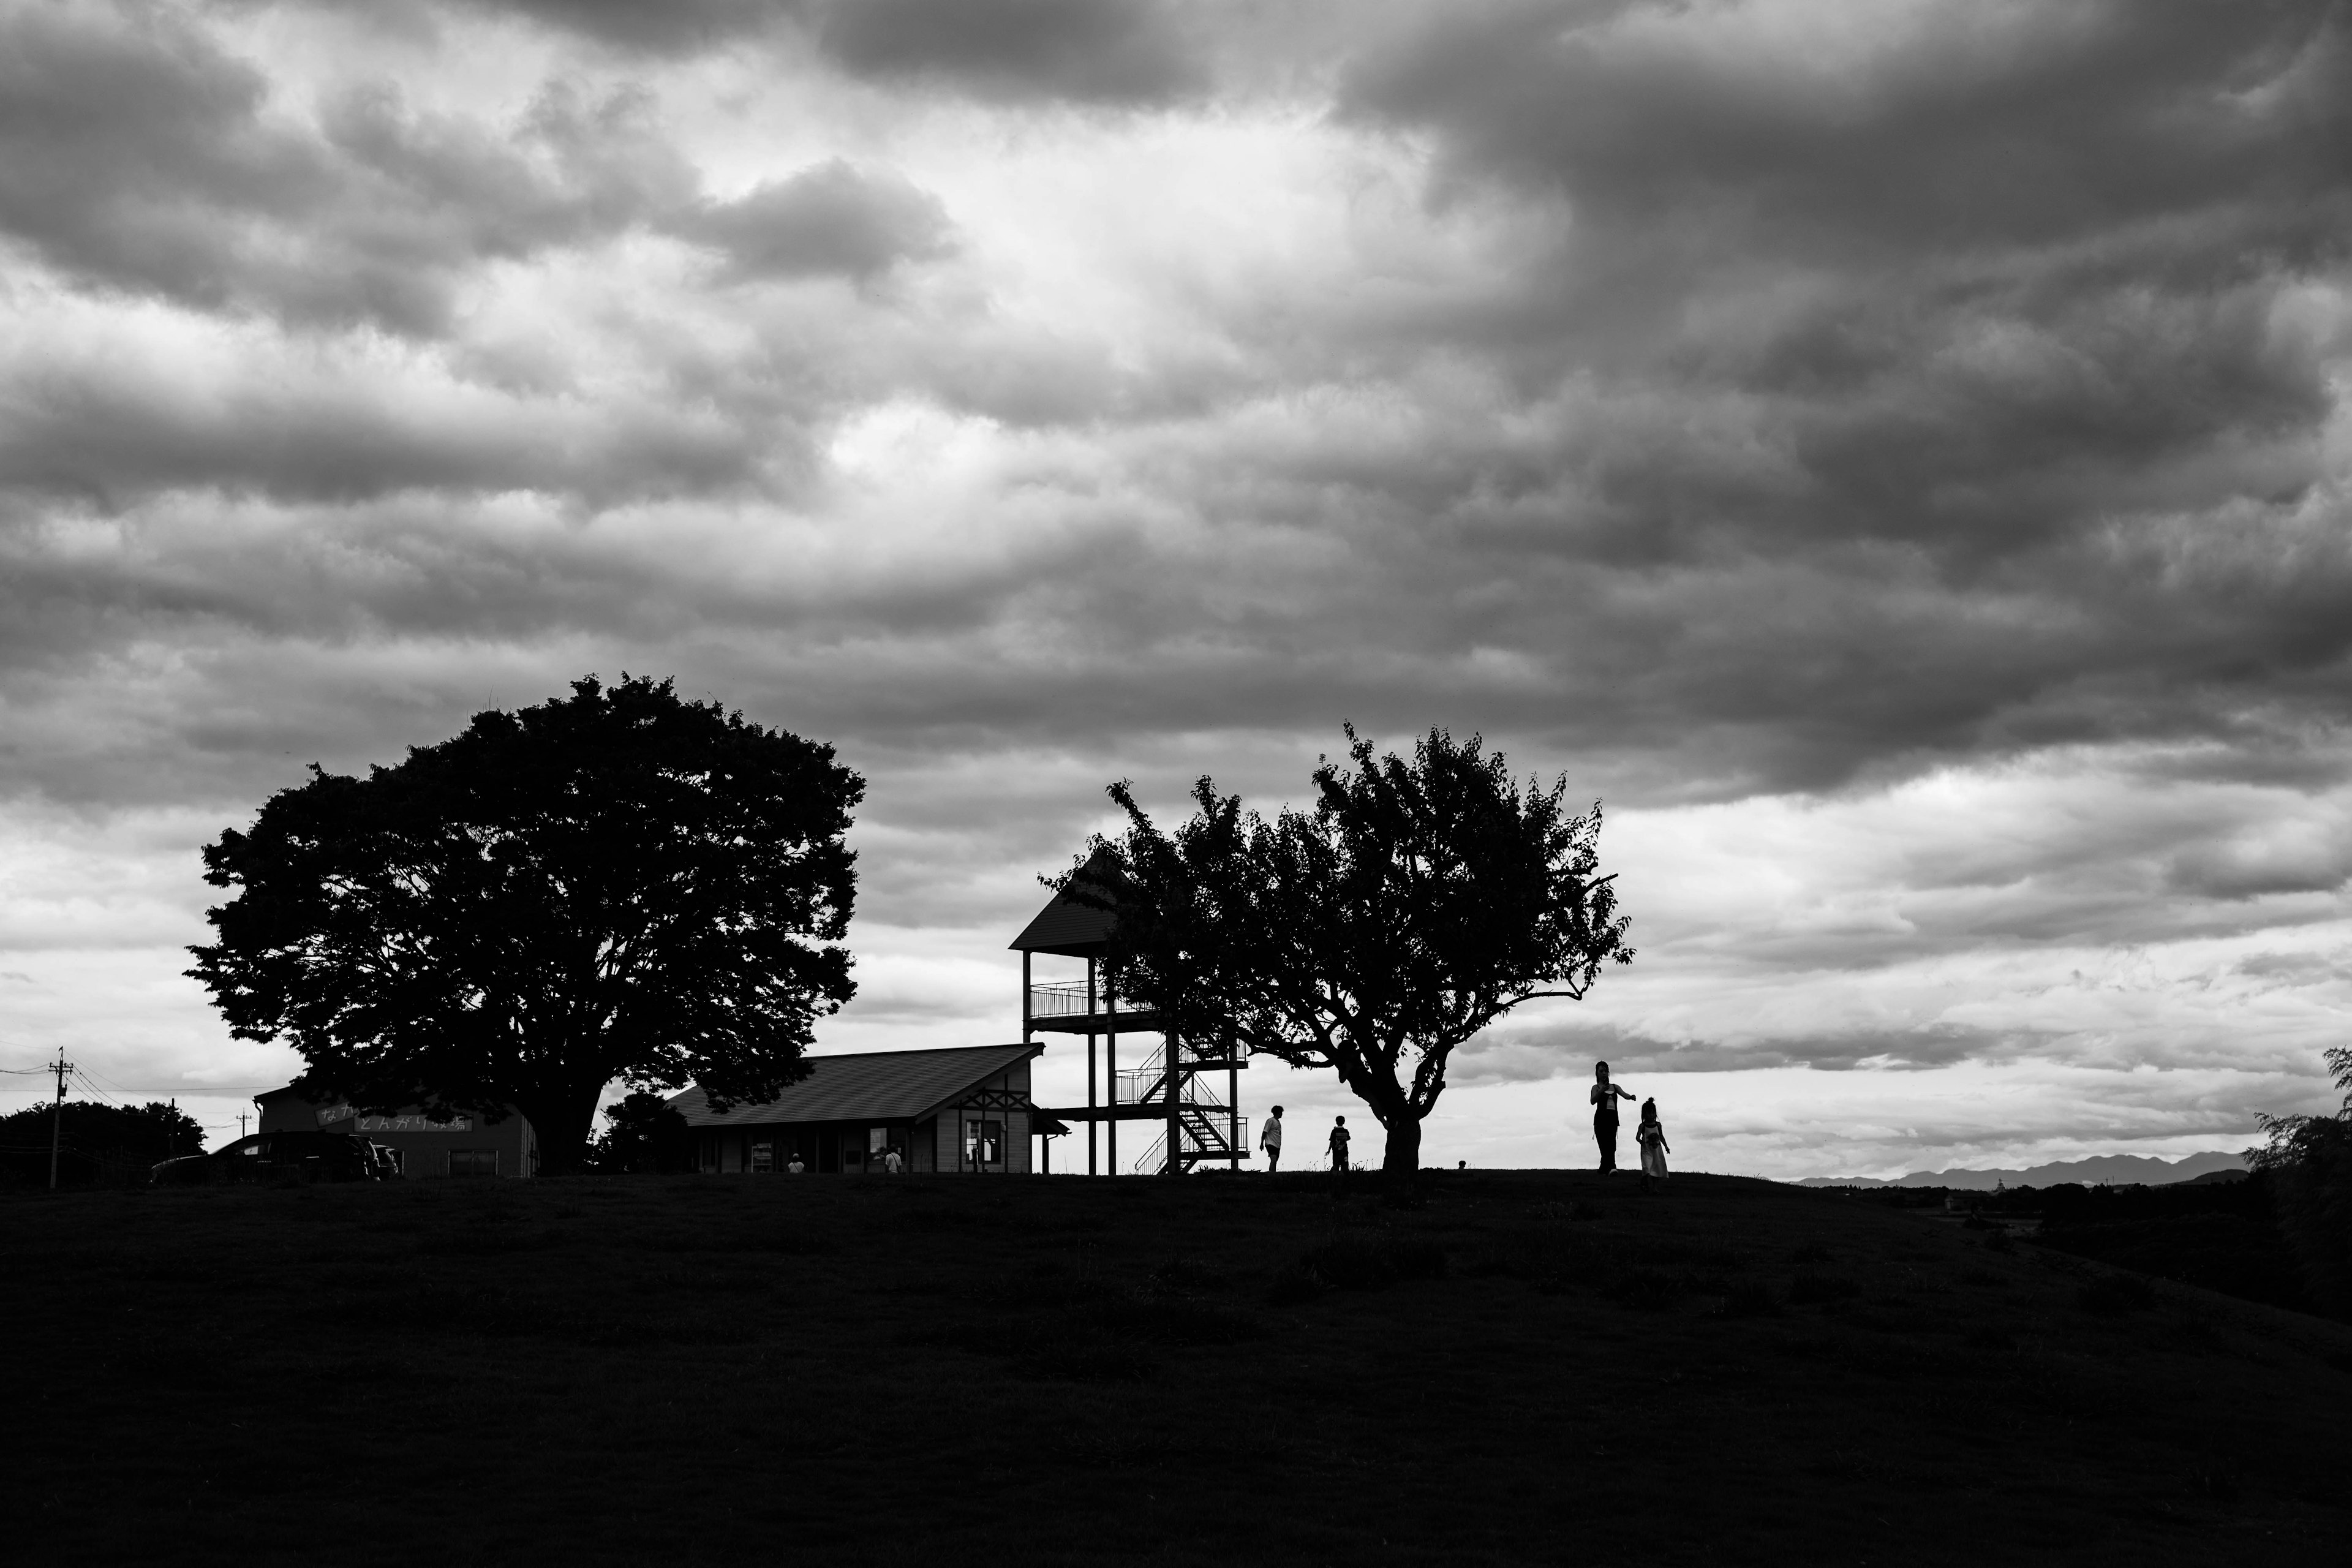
1605 1096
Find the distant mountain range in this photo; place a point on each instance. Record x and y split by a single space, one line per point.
2116 1169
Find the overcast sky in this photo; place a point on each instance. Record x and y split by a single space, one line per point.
1894 455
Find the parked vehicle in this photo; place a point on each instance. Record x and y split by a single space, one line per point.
277 1158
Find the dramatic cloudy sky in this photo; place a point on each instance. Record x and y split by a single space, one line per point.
1894 454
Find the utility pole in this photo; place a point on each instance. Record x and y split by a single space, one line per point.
57 1115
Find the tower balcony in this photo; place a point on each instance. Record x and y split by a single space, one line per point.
1065 1009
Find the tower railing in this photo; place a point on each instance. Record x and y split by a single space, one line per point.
1058 1001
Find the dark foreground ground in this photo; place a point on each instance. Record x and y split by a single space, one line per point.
1523 1368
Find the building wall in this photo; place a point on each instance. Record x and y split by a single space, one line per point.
825 1147
1012 1145
470 1146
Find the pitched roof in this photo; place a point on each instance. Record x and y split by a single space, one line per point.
1068 925
873 1086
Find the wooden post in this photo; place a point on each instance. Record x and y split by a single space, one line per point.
1090 1067
56 1115
1110 1071
1024 1040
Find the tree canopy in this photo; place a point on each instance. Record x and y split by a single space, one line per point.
1413 904
619 884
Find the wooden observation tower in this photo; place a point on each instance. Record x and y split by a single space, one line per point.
1175 1084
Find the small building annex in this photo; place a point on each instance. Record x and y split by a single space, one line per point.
961 1108
464 1145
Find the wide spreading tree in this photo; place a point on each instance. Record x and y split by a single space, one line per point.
1412 905
619 884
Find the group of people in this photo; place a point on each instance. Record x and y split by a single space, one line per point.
1649 1134
1269 1141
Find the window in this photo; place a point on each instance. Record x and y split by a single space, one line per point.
878 1139
983 1143
764 1156
473 1161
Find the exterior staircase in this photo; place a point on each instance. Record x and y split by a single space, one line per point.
1209 1131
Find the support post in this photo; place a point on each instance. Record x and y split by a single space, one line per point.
1168 1081
56 1115
1090 1067
1233 1100
1110 1071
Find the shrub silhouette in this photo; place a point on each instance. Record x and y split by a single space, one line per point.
2309 1162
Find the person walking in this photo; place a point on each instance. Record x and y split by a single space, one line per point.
1605 1096
1270 1140
1339 1142
890 1161
1650 1137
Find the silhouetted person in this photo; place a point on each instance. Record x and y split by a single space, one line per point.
1270 1140
1339 1142
1605 1096
1650 1137
795 1168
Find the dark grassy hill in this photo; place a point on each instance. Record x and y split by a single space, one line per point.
1523 1368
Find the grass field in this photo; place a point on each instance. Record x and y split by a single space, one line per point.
1520 1368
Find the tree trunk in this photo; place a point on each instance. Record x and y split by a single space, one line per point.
565 1123
1404 1155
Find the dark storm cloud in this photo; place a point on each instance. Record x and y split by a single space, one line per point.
1938 395
1955 127
1815 419
137 155
660 26
1092 51
119 146
829 220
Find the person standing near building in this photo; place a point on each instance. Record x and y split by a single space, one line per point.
1271 1141
890 1161
1605 1096
1339 1142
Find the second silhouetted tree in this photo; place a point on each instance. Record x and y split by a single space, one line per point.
1413 904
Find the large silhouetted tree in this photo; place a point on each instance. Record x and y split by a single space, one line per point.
1414 904
618 884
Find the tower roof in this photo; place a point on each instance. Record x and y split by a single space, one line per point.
1070 925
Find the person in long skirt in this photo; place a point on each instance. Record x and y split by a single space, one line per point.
1650 1135
1605 1096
